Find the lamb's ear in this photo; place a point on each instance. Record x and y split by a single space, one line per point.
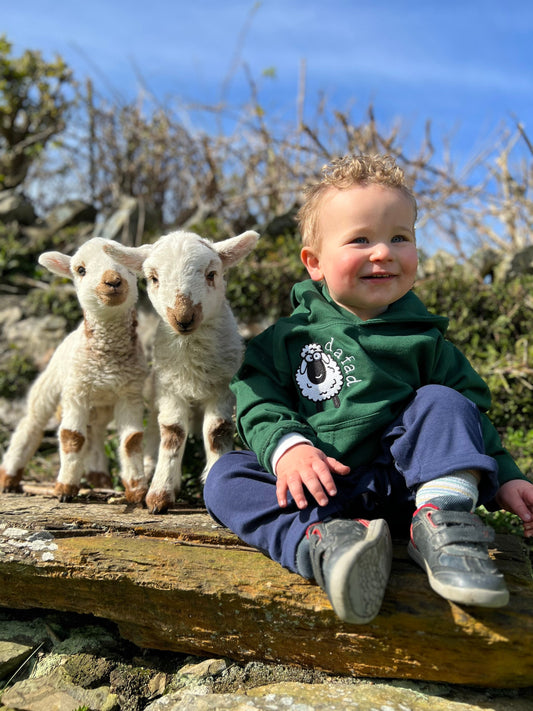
131 257
232 250
56 263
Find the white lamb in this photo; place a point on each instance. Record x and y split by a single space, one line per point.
97 372
197 347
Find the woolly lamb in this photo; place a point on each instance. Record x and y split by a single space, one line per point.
97 371
197 347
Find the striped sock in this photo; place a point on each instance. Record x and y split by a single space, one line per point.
456 492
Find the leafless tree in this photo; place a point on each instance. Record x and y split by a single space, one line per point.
238 167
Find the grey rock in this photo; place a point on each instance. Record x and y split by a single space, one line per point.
32 633
11 411
55 692
110 677
123 223
70 213
206 668
332 696
15 207
10 311
37 337
12 655
439 263
513 265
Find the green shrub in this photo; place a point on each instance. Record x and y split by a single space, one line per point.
16 258
55 300
260 286
17 371
492 325
519 442
502 521
19 254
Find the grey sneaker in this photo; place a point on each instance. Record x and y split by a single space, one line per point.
351 562
452 547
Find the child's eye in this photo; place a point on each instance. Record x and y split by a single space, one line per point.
399 238
360 240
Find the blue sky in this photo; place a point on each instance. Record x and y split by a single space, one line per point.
466 65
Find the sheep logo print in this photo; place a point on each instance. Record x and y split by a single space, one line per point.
319 377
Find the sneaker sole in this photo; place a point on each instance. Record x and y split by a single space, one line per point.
359 578
479 597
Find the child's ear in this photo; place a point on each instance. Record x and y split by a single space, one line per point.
311 263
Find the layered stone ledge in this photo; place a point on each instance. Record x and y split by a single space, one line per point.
180 582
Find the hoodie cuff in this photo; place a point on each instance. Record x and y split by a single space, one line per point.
286 442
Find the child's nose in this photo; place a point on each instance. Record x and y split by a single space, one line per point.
381 251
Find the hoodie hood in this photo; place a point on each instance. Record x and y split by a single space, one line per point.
309 299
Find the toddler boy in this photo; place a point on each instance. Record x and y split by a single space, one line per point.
360 415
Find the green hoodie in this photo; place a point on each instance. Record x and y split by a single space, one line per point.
339 381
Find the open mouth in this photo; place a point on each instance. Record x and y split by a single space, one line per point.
112 298
184 330
379 276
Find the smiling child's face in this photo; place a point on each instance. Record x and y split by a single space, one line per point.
366 247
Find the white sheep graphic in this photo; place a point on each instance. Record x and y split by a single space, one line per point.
319 377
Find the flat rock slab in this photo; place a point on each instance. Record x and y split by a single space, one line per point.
364 696
179 582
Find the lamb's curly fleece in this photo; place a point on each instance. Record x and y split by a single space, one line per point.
97 372
197 350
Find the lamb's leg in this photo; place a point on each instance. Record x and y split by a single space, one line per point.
43 400
96 465
217 430
151 435
173 427
129 418
72 448
23 445
151 445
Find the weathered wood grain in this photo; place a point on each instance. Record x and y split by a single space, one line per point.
180 582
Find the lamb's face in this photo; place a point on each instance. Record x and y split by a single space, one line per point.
185 281
101 282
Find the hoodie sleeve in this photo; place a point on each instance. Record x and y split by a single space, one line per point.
266 405
453 369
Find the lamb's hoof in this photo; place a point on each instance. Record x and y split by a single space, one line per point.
99 480
135 492
159 503
65 492
9 483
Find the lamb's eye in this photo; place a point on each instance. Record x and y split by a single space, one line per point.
154 281
81 270
317 356
210 277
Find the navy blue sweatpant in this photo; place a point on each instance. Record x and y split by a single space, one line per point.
439 432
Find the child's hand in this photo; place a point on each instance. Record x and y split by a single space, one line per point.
306 465
516 496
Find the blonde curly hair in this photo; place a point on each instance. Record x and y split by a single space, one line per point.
343 173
